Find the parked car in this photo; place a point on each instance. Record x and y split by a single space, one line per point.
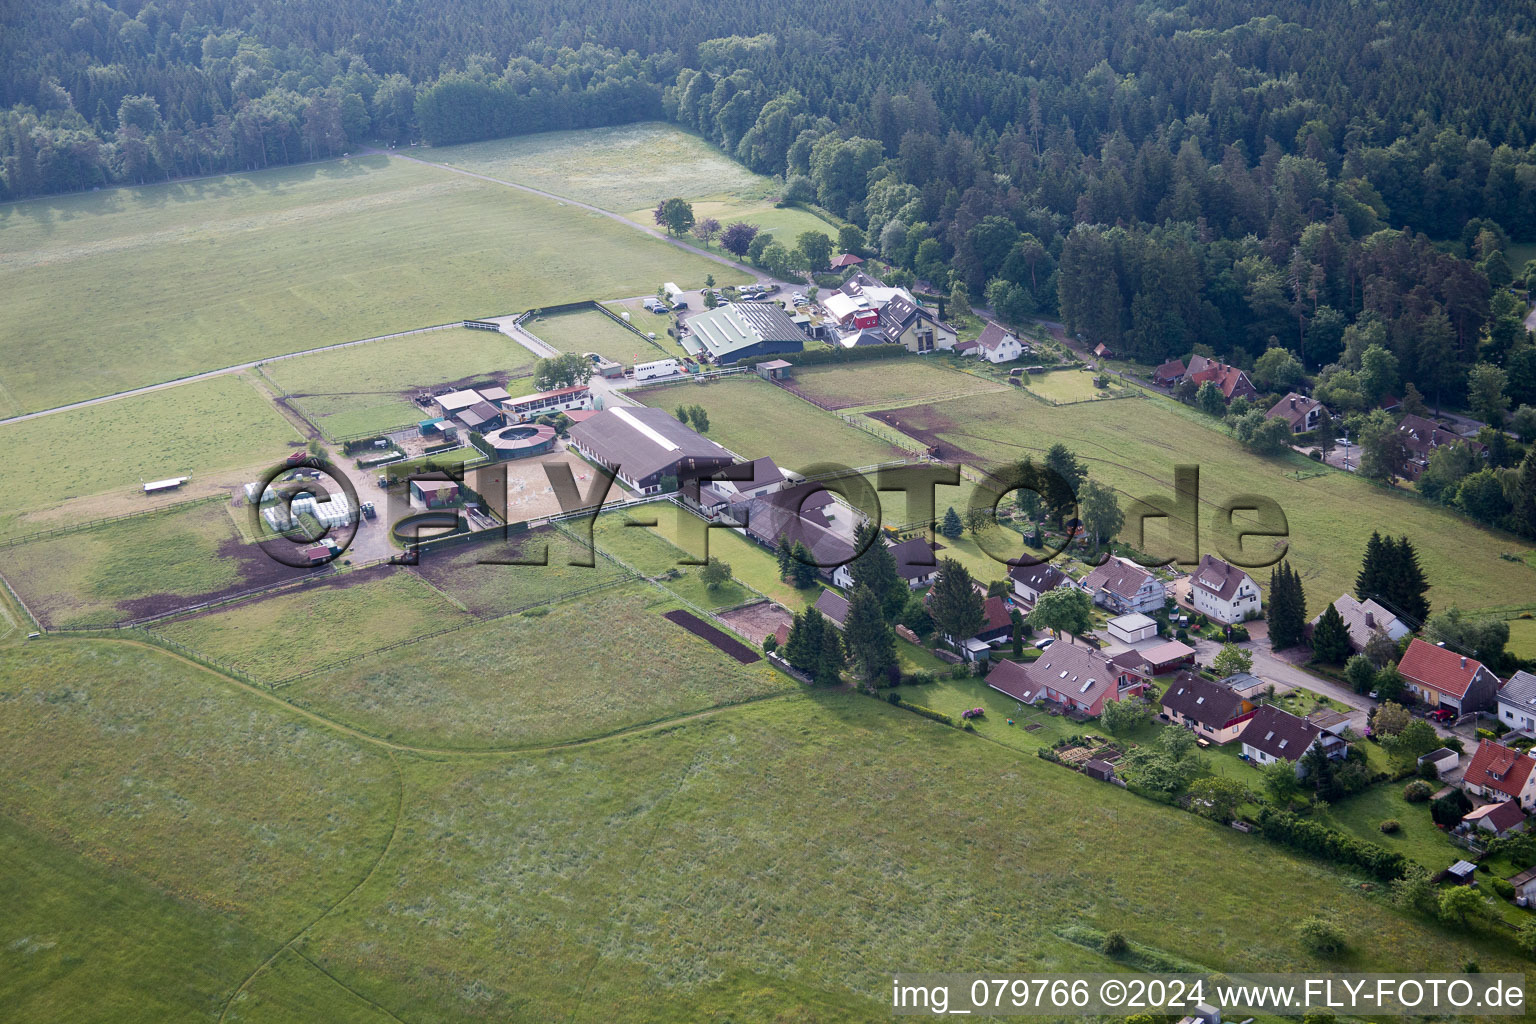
1442 715
1041 645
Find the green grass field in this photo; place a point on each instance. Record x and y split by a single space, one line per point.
305 630
575 670
591 331
194 429
753 418
1065 386
1522 637
784 223
134 286
126 569
368 387
620 168
887 383
479 575
651 554
1134 444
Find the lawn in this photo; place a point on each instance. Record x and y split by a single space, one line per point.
362 388
784 223
147 565
305 630
753 418
1062 386
134 286
888 382
774 861
620 168
650 554
1134 444
579 668
194 429
590 331
1522 637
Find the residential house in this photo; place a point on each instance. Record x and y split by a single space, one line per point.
742 331
1229 380
1497 772
997 345
846 259
1497 819
1223 592
1077 678
1030 581
1123 586
645 446
1364 619
804 514
719 496
996 627
906 323
834 607
1517 702
1525 885
1273 734
1103 351
1169 374
1132 628
1442 678
1210 709
916 564
1300 413
1422 436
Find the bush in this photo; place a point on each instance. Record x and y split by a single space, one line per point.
1115 944
1417 792
1321 936
1502 887
937 716
1238 634
917 679
1391 826
893 697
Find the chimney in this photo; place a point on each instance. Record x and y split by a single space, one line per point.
1370 620
1293 401
1463 662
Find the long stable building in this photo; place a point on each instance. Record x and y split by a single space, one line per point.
643 446
742 330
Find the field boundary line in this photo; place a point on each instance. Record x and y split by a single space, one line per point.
91 524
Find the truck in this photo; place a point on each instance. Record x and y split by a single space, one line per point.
656 368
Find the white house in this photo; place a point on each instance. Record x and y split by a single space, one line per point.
1517 702
1122 586
1273 734
1030 581
997 345
1223 592
1500 773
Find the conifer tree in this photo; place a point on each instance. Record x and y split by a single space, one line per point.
875 568
954 605
869 640
951 526
1371 583
1287 607
1330 638
802 568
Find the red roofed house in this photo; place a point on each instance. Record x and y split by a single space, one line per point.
1299 411
1497 818
996 624
1501 773
1229 380
1442 678
847 259
1080 679
1169 373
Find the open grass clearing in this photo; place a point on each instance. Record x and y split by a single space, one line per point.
753 418
578 668
887 382
1063 386
1522 638
784 223
1133 445
147 565
619 168
135 760
272 638
651 554
588 330
208 430
800 846
369 387
481 576
139 285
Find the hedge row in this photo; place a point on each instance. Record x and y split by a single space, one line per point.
918 709
865 353
1305 836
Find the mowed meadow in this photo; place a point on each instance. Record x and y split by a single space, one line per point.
117 289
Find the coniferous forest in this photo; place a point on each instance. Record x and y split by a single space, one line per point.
1207 176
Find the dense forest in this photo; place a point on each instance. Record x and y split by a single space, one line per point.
1208 176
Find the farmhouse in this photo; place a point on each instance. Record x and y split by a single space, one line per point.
1273 734
1169 374
1223 592
742 331
1421 437
1030 581
1123 586
1517 702
1229 380
1300 413
1364 619
915 563
547 403
1497 772
904 322
1209 709
1443 678
1075 677
645 446
997 345
802 514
